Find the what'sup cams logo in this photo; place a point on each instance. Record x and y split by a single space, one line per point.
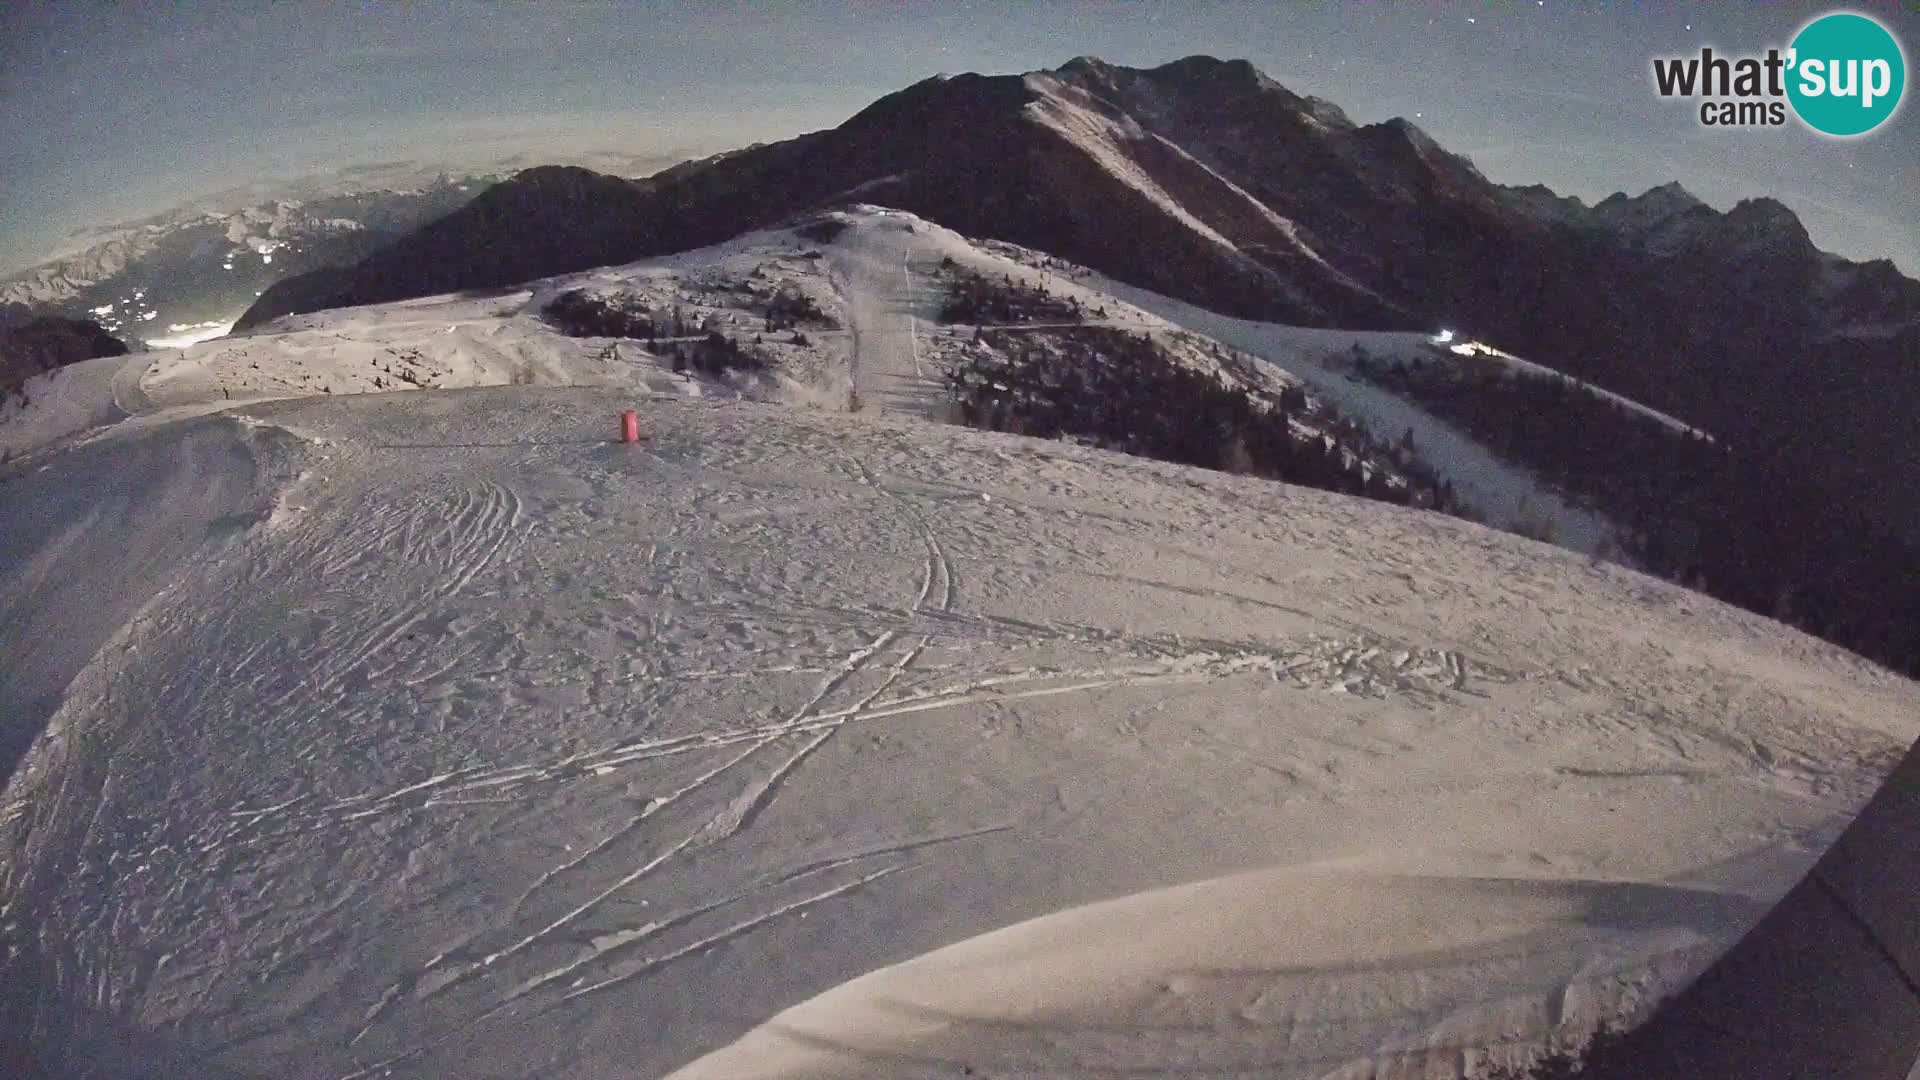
1843 75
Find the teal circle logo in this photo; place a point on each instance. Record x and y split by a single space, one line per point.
1846 74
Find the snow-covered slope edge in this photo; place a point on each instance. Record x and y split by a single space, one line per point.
491 746
1505 494
1298 971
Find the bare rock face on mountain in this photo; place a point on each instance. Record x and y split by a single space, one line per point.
47 344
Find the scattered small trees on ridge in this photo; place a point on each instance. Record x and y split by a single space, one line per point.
1126 392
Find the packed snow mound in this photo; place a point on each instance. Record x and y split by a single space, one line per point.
439 734
1299 972
69 399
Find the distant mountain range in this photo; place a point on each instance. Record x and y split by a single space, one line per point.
1202 179
1207 181
191 271
187 274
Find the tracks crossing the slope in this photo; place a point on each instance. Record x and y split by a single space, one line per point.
737 795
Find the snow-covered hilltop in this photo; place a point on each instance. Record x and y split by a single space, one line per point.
878 278
370 711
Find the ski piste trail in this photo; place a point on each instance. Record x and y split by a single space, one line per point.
435 733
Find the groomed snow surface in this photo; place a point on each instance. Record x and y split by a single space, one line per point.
437 734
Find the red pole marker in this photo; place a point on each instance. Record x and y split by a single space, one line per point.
630 426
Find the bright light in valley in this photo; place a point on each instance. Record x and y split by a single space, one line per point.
184 334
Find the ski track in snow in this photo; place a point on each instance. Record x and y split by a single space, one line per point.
476 741
478 529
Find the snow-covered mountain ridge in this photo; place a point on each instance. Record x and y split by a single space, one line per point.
880 283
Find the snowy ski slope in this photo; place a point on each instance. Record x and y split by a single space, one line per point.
433 733
448 737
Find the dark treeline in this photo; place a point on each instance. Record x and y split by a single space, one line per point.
789 307
578 314
703 348
976 299
1749 523
1126 392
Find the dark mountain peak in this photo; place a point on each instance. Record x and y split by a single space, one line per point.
1767 223
555 176
1544 193
1669 221
1543 203
1204 91
1655 208
1403 150
944 101
1413 133
84 336
1670 191
49 343
1328 113
545 184
1191 75
1670 197
1873 294
1200 65
1085 65
1884 274
1214 67
1214 75
1764 210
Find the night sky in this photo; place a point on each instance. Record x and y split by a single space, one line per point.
110 114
